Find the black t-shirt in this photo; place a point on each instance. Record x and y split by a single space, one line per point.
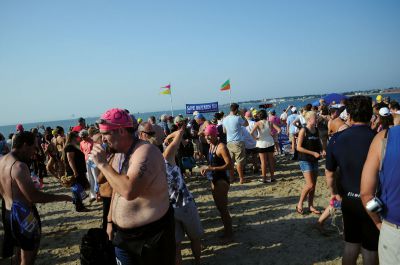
311 142
348 150
79 159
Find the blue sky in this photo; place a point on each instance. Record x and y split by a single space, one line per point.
59 58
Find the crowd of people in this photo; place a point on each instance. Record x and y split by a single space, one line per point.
138 170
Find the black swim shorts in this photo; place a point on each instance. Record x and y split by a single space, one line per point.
151 244
358 226
25 243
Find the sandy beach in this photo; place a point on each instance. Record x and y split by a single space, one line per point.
267 228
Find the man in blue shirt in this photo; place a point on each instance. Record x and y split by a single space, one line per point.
235 142
383 167
348 151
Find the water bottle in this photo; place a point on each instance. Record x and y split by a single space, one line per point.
337 204
36 180
90 161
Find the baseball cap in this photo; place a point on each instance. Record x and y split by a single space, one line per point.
195 113
114 119
384 112
293 109
343 115
336 106
199 116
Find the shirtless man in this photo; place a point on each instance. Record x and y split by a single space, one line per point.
336 123
140 221
159 132
17 189
60 141
146 133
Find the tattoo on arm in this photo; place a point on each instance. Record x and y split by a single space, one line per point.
142 168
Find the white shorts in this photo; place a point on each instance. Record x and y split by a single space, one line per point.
389 244
187 220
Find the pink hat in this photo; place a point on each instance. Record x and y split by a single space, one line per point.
211 130
19 127
114 119
247 114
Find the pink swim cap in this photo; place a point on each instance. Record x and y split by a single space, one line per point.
19 127
211 130
114 119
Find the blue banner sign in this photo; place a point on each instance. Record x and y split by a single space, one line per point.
202 108
283 139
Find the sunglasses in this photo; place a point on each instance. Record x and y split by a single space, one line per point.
149 133
103 121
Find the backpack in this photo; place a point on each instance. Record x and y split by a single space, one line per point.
96 249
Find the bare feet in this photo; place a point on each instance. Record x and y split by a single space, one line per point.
299 210
314 211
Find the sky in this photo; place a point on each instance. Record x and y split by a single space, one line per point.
64 58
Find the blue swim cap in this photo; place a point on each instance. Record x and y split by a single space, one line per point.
199 116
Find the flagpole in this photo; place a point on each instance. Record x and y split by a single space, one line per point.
230 94
170 97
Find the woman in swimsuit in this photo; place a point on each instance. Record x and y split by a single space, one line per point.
216 171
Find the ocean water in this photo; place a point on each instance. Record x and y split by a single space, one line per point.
66 124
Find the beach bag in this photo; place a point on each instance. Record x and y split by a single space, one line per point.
23 221
96 249
188 162
79 194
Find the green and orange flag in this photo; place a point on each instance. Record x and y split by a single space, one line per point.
167 90
226 85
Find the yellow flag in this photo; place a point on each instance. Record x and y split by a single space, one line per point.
166 92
